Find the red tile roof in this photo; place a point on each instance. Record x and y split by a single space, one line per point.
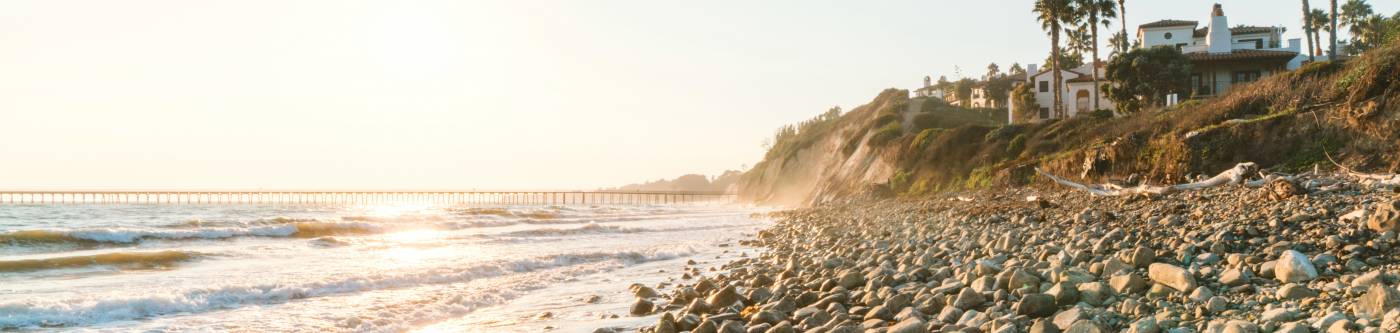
1085 78
1240 30
1167 23
1242 55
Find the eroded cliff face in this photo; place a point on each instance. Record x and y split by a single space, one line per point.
1285 123
839 162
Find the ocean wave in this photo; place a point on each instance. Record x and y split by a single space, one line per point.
129 236
92 309
586 229
122 260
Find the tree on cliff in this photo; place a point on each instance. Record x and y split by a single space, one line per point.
998 90
1052 14
1143 77
963 90
1095 13
1025 106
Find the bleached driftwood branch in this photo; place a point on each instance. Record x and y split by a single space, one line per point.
1235 175
1379 179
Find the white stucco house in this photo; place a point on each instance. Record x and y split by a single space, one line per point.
1223 56
978 97
928 90
1076 90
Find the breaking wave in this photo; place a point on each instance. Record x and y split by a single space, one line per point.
129 236
121 260
590 228
93 309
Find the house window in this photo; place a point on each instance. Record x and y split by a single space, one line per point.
1044 113
1246 76
1167 35
1258 43
1044 86
1180 46
1203 87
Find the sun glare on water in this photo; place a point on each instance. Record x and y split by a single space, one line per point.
412 236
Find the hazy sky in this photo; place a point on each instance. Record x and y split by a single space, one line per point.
567 94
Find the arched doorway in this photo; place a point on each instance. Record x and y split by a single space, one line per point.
1081 101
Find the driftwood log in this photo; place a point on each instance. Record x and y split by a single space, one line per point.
1388 180
1235 175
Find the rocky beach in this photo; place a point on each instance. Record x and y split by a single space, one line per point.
1289 256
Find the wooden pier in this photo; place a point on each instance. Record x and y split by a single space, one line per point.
354 198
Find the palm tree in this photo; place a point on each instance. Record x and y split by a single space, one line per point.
1332 32
1319 23
993 71
1308 31
1354 14
1051 14
1120 44
1096 12
1123 17
1370 33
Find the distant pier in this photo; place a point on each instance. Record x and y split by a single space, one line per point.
440 198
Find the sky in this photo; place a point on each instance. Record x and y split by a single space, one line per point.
544 94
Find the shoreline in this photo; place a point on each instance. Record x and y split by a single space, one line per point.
1230 258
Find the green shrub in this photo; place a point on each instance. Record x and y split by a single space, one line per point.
885 134
1317 68
900 181
1016 145
951 117
1101 114
920 187
1002 133
925 136
885 119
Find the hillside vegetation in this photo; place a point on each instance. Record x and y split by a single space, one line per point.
895 145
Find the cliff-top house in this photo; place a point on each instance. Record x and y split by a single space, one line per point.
1220 57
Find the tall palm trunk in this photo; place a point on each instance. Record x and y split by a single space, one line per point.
1317 35
1123 17
1333 36
1308 30
1055 68
1094 72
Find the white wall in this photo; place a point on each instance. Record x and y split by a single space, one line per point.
1047 99
1072 103
1151 37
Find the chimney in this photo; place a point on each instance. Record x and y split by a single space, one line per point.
1218 39
1031 69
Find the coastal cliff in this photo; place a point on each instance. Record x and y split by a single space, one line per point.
898 146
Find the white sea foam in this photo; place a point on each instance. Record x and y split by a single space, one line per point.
94 309
133 235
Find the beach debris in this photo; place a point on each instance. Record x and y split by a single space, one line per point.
1235 175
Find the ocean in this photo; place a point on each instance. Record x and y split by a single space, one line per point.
388 268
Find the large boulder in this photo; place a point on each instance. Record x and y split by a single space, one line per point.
1377 301
1128 284
642 307
1294 266
1036 305
1087 326
1141 257
968 299
1385 218
1172 276
911 325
